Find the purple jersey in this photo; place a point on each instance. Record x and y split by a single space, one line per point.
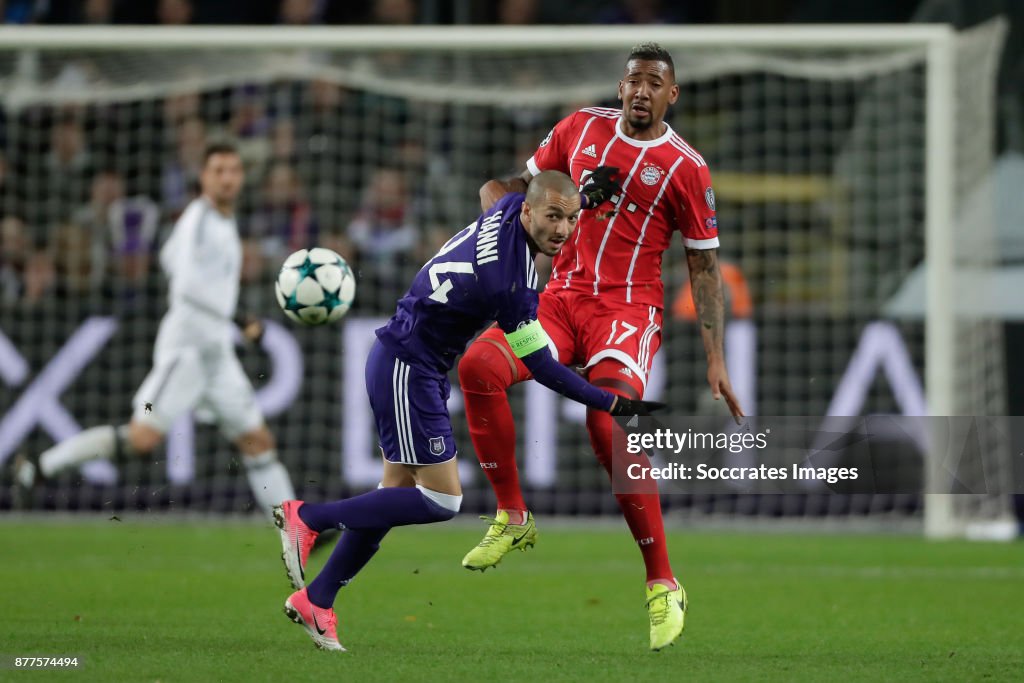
484 273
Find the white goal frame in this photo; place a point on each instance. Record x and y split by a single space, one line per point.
937 41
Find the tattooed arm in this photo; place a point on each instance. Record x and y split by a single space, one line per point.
709 300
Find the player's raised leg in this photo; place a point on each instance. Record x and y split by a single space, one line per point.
486 372
171 387
101 442
105 442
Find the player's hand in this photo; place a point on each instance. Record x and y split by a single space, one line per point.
252 328
718 379
601 185
628 407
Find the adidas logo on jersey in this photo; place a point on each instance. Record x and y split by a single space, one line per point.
625 371
590 151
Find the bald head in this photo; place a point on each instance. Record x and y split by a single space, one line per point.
550 211
549 181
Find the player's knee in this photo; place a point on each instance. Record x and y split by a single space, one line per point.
255 442
140 439
443 506
485 368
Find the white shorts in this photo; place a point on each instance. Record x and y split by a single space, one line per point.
208 379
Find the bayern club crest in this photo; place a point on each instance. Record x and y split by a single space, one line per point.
650 175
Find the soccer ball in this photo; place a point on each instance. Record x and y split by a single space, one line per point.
315 286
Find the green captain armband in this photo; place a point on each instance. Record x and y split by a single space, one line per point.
528 338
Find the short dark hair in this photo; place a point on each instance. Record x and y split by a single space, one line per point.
555 181
652 52
219 147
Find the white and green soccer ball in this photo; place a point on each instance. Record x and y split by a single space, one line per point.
315 286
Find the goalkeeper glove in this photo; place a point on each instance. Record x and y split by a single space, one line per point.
628 407
600 187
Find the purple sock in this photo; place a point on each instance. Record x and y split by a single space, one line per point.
378 509
353 551
366 519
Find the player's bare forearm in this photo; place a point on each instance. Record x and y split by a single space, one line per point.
708 299
493 190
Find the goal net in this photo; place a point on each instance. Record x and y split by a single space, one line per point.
841 159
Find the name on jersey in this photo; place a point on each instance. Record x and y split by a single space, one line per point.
487 241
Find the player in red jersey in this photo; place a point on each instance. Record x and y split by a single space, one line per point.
602 308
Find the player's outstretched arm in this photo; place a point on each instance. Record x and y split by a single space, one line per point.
529 343
709 300
557 377
493 190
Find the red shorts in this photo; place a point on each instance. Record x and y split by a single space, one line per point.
585 330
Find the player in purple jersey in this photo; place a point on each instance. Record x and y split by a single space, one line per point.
484 273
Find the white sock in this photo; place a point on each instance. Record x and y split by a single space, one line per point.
90 444
268 480
445 500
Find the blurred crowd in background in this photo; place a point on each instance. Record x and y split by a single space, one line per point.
88 192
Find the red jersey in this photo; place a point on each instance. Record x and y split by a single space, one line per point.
666 186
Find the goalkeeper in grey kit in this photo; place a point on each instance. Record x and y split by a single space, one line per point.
194 361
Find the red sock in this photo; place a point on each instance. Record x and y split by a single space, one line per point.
641 510
486 373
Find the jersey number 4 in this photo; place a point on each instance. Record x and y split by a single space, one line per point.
442 287
436 270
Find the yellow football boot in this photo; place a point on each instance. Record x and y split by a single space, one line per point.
667 609
500 539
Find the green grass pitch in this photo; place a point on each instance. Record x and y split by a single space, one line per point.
202 602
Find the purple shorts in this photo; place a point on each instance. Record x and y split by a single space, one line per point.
410 407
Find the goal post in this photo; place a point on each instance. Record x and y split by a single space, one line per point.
845 156
940 322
